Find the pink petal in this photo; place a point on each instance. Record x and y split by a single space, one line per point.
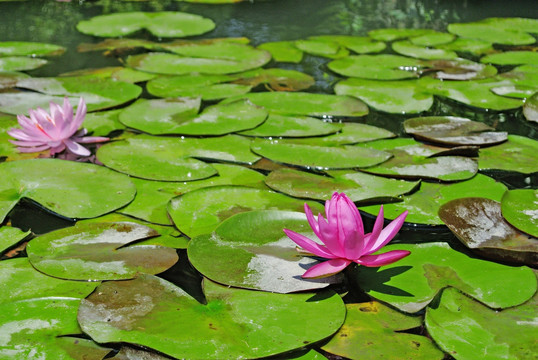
353 245
329 237
369 240
57 148
309 245
330 209
21 135
28 143
33 149
80 115
311 220
382 259
76 148
386 234
326 268
91 139
356 214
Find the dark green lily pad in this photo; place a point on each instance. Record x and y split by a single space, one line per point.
153 196
357 44
512 58
351 133
391 34
229 325
283 51
520 209
492 32
200 211
432 39
517 154
323 48
530 109
476 93
423 205
102 123
173 158
376 67
464 327
36 329
450 130
319 157
357 186
466 45
10 236
408 48
278 125
20 63
480 226
26 48
14 272
161 24
399 97
97 251
411 283
250 250
70 189
301 103
369 327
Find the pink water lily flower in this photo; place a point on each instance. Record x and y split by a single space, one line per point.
56 131
343 238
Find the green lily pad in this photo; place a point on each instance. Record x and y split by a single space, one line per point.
369 327
301 103
399 97
161 24
102 123
351 133
423 205
319 157
376 67
229 325
36 329
411 283
117 73
450 130
173 158
480 226
464 328
408 48
200 211
476 93
517 154
530 109
523 75
458 69
492 32
278 125
10 236
323 48
70 189
283 51
26 48
357 186
250 250
153 196
14 272
275 79
432 39
357 44
218 59
97 251
512 58
465 45
520 208
391 34
8 79
20 63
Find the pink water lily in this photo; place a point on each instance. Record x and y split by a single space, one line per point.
343 238
56 131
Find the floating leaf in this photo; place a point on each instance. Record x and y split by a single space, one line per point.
301 103
230 325
492 32
117 73
400 97
129 353
464 328
278 125
20 63
357 186
161 24
320 157
408 48
432 39
9 79
351 133
424 204
391 34
200 211
10 236
251 251
102 123
97 251
26 48
479 224
14 272
357 44
369 327
276 79
376 67
283 51
322 48
450 130
516 154
466 45
71 189
512 58
530 109
411 283
520 208
153 196
36 328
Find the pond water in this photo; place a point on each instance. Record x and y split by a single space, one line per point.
261 22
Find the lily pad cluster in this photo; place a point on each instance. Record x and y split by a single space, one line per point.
176 248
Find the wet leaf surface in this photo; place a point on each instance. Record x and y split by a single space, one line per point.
277 125
357 44
10 236
520 209
512 58
283 51
408 48
27 48
495 30
530 109
516 154
351 133
20 63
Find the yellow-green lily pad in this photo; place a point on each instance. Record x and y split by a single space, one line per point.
518 154
27 48
10 236
520 208
20 63
278 125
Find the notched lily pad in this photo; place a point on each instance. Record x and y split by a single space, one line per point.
450 130
520 209
479 224
229 325
99 251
